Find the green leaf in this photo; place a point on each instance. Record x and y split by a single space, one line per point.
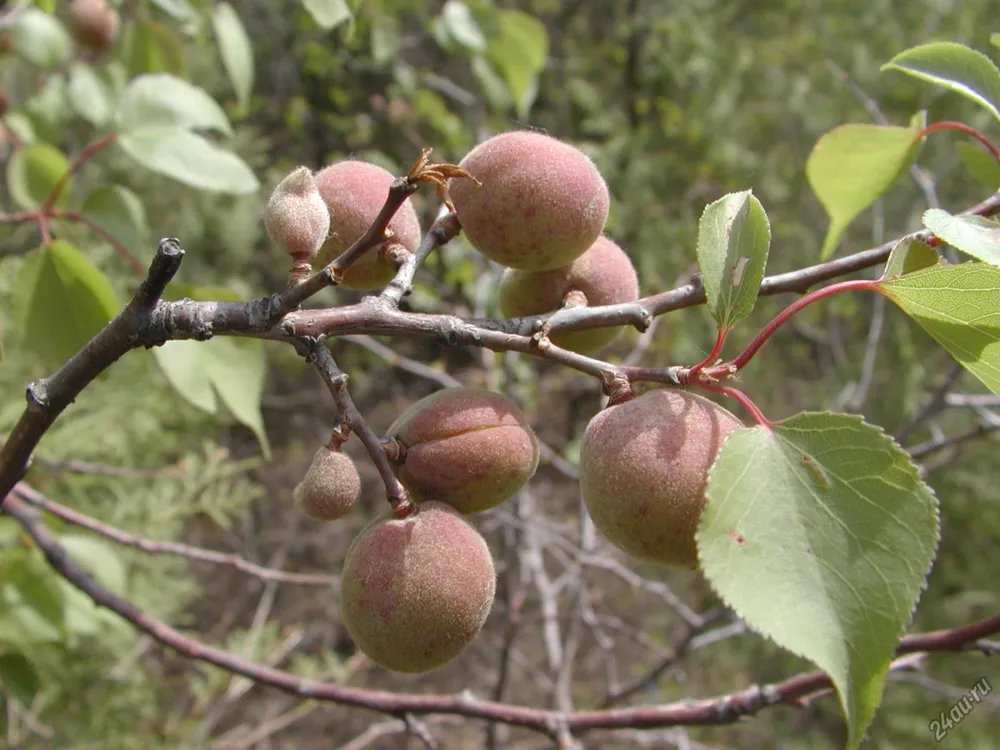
41 38
981 165
733 240
237 367
973 235
190 159
150 47
19 678
909 256
181 362
154 103
49 6
492 85
995 40
518 51
179 10
955 67
852 165
462 27
34 171
960 308
820 534
328 13
92 98
38 586
61 300
236 51
120 213
225 369
98 558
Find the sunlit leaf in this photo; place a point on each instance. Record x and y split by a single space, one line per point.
91 97
34 171
98 558
956 67
236 51
960 308
851 166
328 13
733 240
60 301
190 159
909 256
518 51
820 534
41 38
973 235
162 101
461 26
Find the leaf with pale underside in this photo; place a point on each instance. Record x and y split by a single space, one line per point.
733 240
959 306
820 534
973 235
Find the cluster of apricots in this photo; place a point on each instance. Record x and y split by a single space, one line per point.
416 590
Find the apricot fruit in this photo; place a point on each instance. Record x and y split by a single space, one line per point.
604 275
354 193
415 591
296 218
330 487
643 469
467 447
93 25
540 205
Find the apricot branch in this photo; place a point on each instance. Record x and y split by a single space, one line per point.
198 554
724 709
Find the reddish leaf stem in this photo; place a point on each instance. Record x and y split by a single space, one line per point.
961 127
720 341
77 164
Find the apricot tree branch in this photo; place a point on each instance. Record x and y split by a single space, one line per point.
48 397
124 538
336 380
444 229
723 709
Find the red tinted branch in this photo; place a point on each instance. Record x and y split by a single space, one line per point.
723 709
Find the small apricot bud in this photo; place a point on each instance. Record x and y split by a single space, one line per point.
467 447
540 205
415 591
604 275
330 487
296 217
93 25
354 193
643 469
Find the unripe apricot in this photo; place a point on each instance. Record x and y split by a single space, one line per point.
604 275
93 25
643 469
296 218
330 487
467 447
416 591
354 193
541 204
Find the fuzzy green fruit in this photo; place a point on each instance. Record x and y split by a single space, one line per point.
540 205
467 447
604 274
416 591
643 469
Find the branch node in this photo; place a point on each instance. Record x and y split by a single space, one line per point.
37 394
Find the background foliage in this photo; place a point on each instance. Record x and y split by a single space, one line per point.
678 103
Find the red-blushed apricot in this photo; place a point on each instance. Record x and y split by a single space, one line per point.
643 469
354 193
296 218
416 591
540 205
605 276
93 25
467 447
330 487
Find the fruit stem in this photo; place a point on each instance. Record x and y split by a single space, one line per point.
691 374
961 127
782 317
744 399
